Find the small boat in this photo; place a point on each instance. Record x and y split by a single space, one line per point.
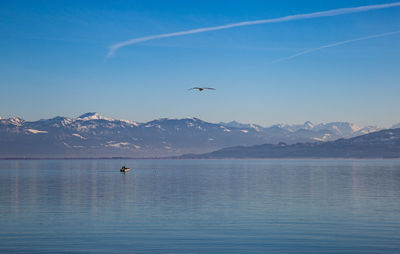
124 169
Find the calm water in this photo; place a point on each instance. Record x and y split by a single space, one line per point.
200 206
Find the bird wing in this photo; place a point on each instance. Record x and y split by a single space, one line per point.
194 88
210 88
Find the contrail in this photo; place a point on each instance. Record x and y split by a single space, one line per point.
329 13
336 44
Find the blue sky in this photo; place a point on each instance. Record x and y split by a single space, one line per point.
53 61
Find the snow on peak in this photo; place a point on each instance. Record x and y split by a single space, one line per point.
225 129
369 129
191 118
93 116
16 121
117 144
35 131
78 136
130 122
88 114
354 127
308 125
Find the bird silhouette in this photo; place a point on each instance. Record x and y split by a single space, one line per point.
202 88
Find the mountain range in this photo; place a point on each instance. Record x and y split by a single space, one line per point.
93 135
380 144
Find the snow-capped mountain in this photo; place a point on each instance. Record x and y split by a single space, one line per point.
93 135
308 130
235 124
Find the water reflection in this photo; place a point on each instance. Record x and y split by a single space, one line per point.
260 204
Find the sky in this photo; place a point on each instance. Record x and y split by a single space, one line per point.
55 60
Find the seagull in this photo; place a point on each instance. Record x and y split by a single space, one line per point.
202 88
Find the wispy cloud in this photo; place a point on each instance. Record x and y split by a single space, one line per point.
334 12
304 52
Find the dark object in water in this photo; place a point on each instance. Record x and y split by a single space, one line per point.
124 169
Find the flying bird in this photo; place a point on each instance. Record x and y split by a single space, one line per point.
202 88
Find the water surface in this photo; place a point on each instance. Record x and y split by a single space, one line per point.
200 206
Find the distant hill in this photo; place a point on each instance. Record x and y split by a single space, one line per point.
381 144
396 126
93 135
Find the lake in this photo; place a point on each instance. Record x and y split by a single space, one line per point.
200 206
